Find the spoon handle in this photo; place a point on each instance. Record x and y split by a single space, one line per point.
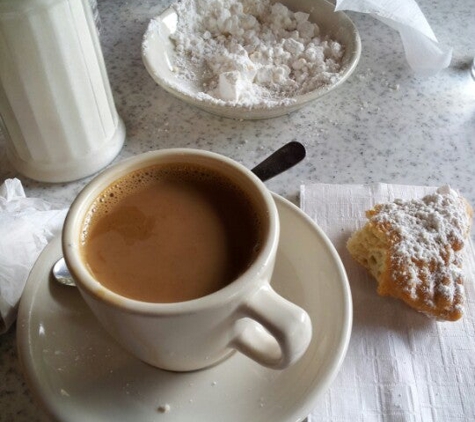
281 160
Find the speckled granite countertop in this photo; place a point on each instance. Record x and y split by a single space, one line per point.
383 125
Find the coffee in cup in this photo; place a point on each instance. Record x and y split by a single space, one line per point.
173 251
179 231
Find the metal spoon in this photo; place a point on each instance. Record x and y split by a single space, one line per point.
62 274
278 162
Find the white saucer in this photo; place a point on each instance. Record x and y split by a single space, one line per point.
80 374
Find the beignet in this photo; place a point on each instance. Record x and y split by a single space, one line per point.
413 249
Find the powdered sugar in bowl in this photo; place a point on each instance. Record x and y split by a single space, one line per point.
250 59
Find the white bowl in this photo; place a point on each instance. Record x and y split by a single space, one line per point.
158 57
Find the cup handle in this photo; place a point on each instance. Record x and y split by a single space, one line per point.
271 330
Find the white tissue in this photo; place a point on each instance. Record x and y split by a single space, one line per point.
26 227
423 53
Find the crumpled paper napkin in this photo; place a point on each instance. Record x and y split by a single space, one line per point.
423 52
400 365
26 227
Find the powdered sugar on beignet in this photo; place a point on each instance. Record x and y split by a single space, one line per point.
413 248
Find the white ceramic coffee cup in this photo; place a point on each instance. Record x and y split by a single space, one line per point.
247 315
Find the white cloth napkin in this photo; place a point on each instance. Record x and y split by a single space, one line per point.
400 365
26 226
423 52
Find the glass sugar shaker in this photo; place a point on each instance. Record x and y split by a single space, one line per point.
57 111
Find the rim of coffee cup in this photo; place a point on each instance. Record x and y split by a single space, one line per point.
87 283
